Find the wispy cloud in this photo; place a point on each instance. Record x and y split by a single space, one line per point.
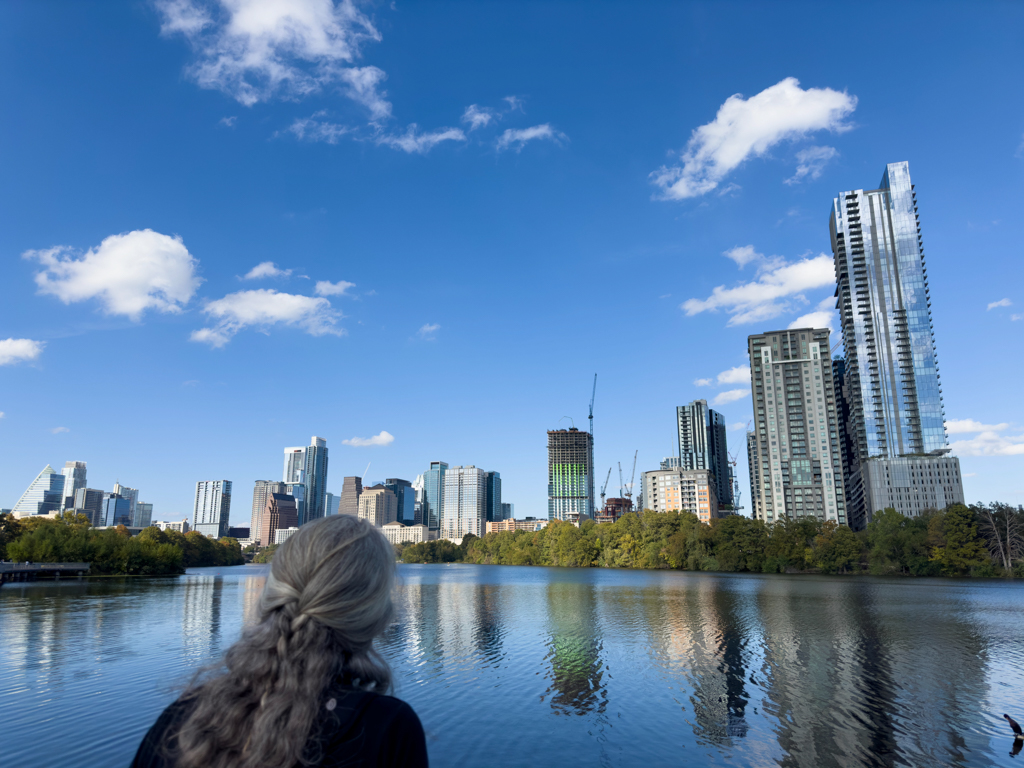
703 382
428 331
19 350
987 440
228 122
127 273
384 438
327 288
59 430
477 117
517 138
265 269
1000 303
737 426
730 396
265 308
419 143
968 426
738 375
811 162
745 128
314 129
779 285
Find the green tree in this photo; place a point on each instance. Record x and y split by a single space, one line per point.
959 549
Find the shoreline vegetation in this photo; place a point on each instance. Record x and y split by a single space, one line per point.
69 538
977 540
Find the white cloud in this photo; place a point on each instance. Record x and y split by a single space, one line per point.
819 319
312 129
703 382
420 143
128 273
990 444
19 350
264 308
967 426
477 117
2 414
254 50
738 375
811 162
514 103
327 288
779 284
228 122
750 127
384 438
266 269
58 430
517 137
730 396
1016 317
1000 303
738 426
743 255
427 331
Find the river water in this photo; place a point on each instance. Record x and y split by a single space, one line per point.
514 666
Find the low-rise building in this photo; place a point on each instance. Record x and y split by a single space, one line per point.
397 533
281 535
529 524
181 526
681 490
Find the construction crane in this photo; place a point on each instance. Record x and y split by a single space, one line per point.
629 493
620 481
593 394
605 486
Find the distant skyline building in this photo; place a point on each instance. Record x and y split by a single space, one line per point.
45 494
89 502
570 474
405 498
74 478
794 454
492 511
379 505
508 510
418 485
143 515
212 508
670 462
117 510
433 494
396 533
465 502
280 513
316 481
331 504
701 433
681 490
132 494
298 492
891 383
351 489
260 493
294 465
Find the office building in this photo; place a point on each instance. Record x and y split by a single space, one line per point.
417 487
89 502
294 465
181 526
379 505
298 492
405 498
754 471
260 492
492 512
508 511
44 495
331 504
74 478
239 533
212 508
397 533
143 515
670 462
891 376
510 524
315 476
117 510
794 455
350 492
681 490
283 534
465 503
433 495
570 475
132 494
280 513
702 445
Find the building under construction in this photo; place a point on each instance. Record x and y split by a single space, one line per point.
570 475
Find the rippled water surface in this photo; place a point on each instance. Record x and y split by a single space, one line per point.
549 667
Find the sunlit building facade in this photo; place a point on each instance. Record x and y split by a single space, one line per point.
570 475
465 503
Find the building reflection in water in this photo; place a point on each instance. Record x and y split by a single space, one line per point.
252 588
576 677
201 616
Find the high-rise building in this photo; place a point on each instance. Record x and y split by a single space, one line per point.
795 459
331 504
350 492
417 486
294 465
670 462
117 510
143 515
508 511
379 505
492 513
891 374
298 492
279 514
74 478
465 502
406 499
702 445
89 502
212 508
260 493
681 490
433 495
45 494
132 494
316 481
570 475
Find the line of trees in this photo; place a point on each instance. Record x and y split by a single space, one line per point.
70 538
976 540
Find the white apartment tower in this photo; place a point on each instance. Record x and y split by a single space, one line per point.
465 502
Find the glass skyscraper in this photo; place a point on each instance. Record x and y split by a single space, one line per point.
433 495
703 445
406 498
890 384
45 494
212 508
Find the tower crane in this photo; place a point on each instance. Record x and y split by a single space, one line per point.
593 394
605 486
629 493
620 480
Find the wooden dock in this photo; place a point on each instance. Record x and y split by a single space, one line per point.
34 571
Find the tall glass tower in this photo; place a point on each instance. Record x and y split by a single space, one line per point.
433 495
703 445
315 480
891 377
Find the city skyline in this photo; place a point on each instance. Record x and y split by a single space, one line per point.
495 197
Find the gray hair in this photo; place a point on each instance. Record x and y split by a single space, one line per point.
327 597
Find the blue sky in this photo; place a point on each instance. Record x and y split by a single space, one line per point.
465 210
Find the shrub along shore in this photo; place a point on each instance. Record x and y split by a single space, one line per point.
976 540
70 539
